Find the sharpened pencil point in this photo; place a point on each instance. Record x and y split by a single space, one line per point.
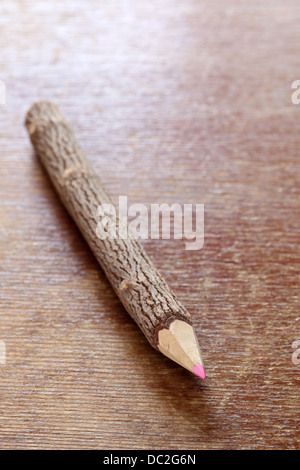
179 343
199 370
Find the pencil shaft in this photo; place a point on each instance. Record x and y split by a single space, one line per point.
140 287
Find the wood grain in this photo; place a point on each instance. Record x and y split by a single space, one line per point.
192 101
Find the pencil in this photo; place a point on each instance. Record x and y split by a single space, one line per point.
141 288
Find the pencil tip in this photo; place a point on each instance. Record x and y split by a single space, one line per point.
179 343
199 370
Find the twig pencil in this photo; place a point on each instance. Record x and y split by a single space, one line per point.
143 291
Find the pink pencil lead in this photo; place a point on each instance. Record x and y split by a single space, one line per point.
199 370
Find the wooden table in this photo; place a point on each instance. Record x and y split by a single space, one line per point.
172 102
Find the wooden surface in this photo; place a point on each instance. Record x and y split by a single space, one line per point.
172 102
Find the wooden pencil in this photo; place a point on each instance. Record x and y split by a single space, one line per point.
141 288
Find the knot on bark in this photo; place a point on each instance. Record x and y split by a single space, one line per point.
127 284
75 172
